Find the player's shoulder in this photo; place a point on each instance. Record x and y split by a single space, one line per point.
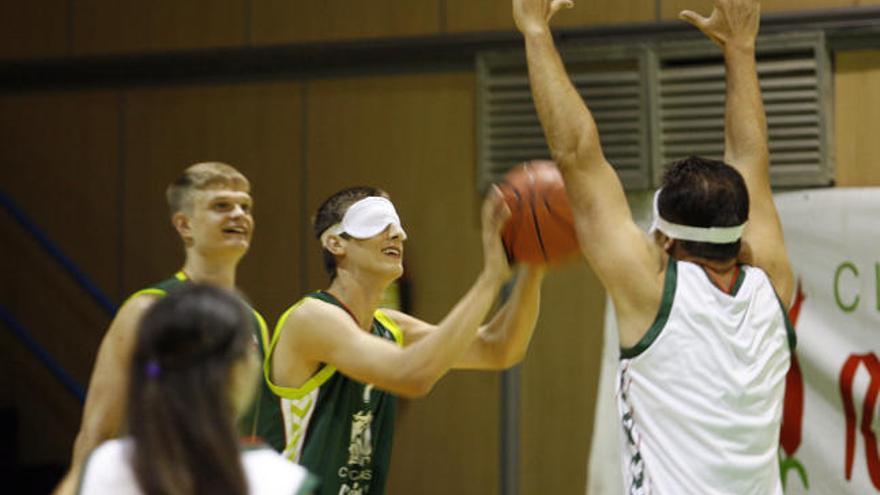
311 312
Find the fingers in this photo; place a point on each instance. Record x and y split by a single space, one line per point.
693 18
496 209
556 5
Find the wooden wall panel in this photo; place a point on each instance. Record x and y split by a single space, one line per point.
33 29
292 21
559 380
256 128
671 8
857 113
492 15
414 137
131 26
59 165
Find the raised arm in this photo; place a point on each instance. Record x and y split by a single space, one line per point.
320 333
104 409
503 341
733 25
625 260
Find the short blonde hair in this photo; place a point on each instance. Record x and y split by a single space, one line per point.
202 176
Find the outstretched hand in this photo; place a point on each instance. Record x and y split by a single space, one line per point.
534 15
495 216
732 22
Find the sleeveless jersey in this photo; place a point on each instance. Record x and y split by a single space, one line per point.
340 429
109 469
263 418
700 396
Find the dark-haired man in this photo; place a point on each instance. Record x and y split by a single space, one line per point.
337 360
705 344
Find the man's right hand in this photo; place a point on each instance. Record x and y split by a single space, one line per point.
534 15
495 215
733 23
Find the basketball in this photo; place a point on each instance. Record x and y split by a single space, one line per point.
541 226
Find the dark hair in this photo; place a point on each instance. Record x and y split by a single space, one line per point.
702 192
331 212
180 414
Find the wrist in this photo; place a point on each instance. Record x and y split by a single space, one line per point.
734 48
535 30
492 278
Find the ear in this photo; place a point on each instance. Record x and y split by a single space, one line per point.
664 240
335 244
181 225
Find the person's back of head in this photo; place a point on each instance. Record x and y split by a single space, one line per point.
706 193
192 347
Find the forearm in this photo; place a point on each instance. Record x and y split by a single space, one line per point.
568 124
745 129
432 356
508 334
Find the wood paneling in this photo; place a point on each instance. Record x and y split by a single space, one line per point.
492 15
255 128
59 166
414 137
33 29
290 21
671 8
131 26
559 381
857 113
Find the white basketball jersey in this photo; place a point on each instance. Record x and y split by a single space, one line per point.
700 396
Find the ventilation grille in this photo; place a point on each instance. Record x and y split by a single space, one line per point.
612 81
795 83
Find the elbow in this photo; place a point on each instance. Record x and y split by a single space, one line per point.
416 387
512 358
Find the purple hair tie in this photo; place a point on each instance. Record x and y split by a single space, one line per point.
153 369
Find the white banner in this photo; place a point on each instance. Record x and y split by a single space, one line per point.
828 443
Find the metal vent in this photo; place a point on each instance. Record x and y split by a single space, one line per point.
794 73
611 80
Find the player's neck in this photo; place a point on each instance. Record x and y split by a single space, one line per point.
201 269
722 273
361 297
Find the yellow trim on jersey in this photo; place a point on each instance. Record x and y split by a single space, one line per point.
326 371
390 325
180 276
144 292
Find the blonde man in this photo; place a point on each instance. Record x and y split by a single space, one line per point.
211 210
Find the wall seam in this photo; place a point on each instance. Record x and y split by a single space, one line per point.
304 188
120 200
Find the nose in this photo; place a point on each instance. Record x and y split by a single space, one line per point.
396 231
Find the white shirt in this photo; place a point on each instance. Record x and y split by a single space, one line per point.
700 397
109 471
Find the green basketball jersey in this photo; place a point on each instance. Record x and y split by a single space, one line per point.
340 429
263 418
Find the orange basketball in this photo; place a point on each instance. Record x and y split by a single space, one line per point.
541 226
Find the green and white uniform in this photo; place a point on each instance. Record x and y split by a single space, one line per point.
263 419
700 396
340 429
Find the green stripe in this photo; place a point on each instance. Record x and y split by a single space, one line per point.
789 328
662 314
740 277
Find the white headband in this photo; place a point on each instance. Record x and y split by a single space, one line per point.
712 235
366 218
